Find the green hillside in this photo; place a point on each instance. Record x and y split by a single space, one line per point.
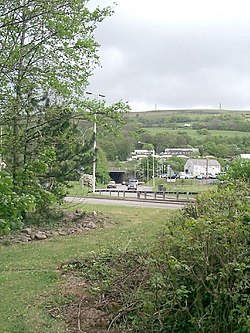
190 112
195 133
218 132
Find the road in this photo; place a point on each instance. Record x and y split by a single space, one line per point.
135 203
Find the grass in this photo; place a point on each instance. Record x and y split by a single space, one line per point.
190 112
76 190
187 185
29 272
194 134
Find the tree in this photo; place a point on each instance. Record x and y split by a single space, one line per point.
176 163
48 51
102 170
239 170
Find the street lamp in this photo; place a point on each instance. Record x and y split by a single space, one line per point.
94 145
153 168
153 156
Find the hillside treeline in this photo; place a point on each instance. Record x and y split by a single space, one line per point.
221 144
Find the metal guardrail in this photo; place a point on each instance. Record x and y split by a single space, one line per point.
150 195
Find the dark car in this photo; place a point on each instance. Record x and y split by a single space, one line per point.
111 184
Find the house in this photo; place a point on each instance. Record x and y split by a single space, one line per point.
244 155
138 154
198 166
180 151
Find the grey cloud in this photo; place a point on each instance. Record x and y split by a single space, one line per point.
175 66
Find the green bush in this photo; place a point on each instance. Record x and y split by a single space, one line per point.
196 277
199 274
12 205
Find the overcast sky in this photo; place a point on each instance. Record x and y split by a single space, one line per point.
163 54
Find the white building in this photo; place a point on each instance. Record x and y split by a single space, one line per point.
181 151
138 154
244 155
197 166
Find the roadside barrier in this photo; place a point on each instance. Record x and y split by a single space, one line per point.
150 195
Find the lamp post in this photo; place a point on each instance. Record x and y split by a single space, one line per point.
153 169
94 145
147 170
153 157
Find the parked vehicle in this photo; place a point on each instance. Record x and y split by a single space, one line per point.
189 176
182 175
132 184
111 184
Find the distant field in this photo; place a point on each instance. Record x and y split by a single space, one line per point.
186 116
194 133
199 112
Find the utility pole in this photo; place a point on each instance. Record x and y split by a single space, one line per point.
206 170
94 145
153 158
153 169
94 157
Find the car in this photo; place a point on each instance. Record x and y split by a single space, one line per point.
189 176
111 184
132 186
182 175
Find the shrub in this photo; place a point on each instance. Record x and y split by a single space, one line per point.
196 277
12 205
199 273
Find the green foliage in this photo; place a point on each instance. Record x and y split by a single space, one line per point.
12 206
200 272
196 277
239 170
221 133
176 163
102 170
48 52
157 130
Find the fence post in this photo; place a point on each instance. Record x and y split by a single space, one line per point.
138 194
177 195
